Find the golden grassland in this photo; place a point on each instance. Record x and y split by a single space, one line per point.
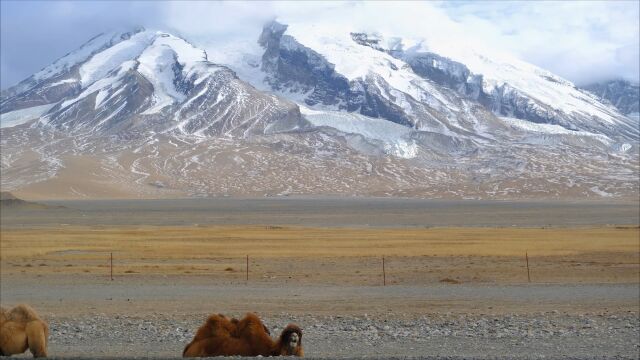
414 255
270 241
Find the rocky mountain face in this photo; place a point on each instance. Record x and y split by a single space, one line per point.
403 81
323 110
622 94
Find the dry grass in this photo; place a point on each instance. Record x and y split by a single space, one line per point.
450 281
607 254
234 241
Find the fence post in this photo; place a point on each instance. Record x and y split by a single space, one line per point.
526 256
111 261
384 273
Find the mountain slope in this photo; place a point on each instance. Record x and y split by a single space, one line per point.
311 110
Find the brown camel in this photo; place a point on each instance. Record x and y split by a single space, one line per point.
22 329
221 336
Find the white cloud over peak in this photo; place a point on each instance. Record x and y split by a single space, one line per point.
581 41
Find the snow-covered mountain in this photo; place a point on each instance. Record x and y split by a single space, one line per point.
308 109
404 81
624 95
147 80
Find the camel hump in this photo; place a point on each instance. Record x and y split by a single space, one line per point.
251 318
216 322
23 312
37 334
214 318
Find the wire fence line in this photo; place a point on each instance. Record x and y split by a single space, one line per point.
383 270
380 270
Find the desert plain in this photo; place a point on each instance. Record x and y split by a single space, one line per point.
459 278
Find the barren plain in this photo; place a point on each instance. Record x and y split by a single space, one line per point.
455 279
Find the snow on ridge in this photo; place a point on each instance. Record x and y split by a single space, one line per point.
103 84
357 61
111 58
81 54
153 53
354 61
498 69
187 55
350 60
156 65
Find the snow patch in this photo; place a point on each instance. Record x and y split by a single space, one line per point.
395 138
61 82
19 117
602 193
625 147
550 129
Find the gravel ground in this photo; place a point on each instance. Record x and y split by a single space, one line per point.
538 335
156 317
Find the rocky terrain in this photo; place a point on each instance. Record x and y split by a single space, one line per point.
549 334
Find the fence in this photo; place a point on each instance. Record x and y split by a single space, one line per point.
382 270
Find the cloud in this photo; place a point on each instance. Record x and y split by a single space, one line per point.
581 41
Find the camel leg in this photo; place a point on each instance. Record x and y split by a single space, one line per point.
13 339
37 334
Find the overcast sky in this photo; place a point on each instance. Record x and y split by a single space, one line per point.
581 41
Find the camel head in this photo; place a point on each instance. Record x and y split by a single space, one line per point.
291 340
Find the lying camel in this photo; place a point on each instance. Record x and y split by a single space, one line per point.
221 336
22 329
